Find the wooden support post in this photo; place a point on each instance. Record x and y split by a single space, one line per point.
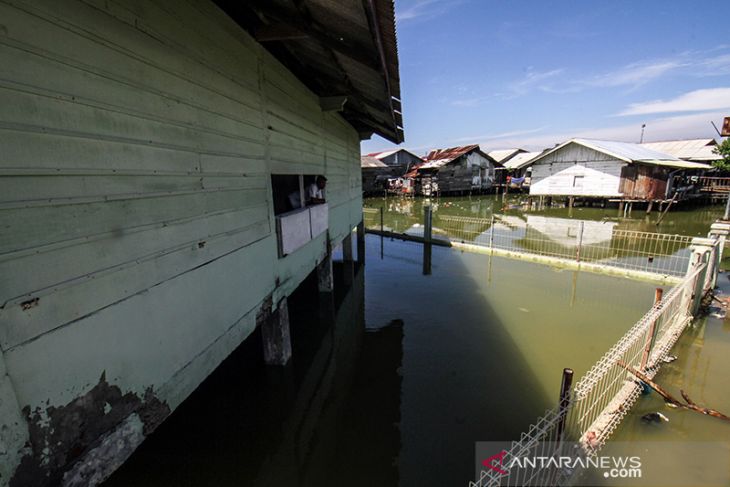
658 293
571 201
564 402
649 207
276 335
491 234
620 207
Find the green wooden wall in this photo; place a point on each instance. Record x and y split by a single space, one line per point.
137 236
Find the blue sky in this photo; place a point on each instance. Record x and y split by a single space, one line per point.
531 74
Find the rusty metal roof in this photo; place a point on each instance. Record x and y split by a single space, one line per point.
343 49
441 157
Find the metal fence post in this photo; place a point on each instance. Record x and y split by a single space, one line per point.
491 234
427 221
658 293
580 241
381 219
564 400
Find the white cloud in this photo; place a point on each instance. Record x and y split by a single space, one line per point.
424 9
666 128
532 80
502 135
698 100
635 74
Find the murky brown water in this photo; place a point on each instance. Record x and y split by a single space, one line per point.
473 352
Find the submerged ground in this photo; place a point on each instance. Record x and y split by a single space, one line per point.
396 386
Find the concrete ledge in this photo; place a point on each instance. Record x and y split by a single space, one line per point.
595 268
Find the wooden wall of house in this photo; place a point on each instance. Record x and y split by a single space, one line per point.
575 170
138 238
400 162
644 182
459 175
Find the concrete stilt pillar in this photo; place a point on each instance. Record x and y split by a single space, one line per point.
276 334
720 230
361 242
701 250
325 281
347 248
348 264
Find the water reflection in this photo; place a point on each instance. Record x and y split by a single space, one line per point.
586 234
333 411
403 213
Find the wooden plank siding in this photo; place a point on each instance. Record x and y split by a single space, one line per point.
138 139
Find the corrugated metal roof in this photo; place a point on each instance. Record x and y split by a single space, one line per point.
441 157
383 154
368 161
690 149
629 152
502 155
521 160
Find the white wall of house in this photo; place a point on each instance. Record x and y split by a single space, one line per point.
576 171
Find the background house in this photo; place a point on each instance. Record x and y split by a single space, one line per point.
519 168
695 150
503 155
605 169
375 174
399 160
455 170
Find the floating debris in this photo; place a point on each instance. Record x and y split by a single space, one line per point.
654 418
669 359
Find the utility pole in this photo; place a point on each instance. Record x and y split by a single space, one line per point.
641 140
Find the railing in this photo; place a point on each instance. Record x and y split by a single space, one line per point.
604 396
714 184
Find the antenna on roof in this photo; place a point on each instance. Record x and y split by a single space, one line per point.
643 126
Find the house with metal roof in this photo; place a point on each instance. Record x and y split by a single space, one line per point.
400 161
588 168
456 170
503 155
519 169
696 150
374 174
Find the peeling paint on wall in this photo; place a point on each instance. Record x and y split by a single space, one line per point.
62 436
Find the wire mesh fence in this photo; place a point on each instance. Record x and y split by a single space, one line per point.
599 242
606 393
584 241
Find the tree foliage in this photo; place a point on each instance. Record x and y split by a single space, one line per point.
723 150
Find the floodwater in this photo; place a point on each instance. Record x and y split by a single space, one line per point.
395 382
400 214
